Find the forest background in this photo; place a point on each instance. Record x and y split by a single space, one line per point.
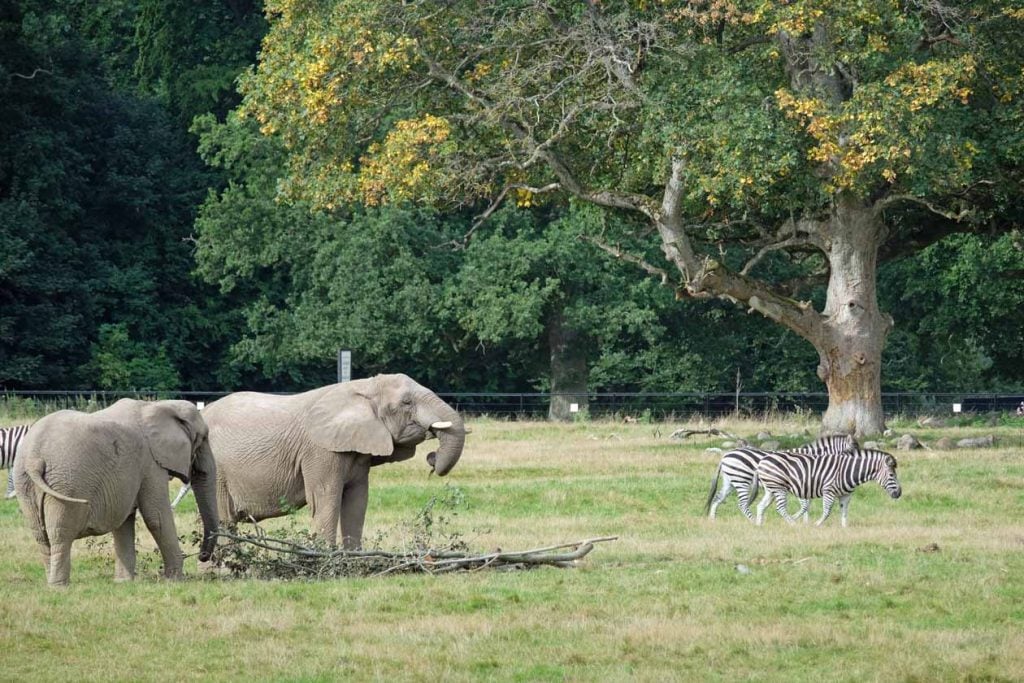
146 243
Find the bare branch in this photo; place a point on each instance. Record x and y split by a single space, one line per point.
618 253
803 233
498 201
33 74
882 204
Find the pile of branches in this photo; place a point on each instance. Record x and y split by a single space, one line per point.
430 547
264 556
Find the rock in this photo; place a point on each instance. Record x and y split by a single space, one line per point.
728 444
944 444
907 443
873 445
763 436
977 442
888 433
716 451
743 569
933 422
769 445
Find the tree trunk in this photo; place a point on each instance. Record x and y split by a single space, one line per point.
569 371
853 333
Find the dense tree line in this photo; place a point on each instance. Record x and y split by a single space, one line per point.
158 229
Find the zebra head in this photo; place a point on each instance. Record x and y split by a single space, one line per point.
886 476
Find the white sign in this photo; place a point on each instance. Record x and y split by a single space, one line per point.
957 407
344 365
200 405
574 407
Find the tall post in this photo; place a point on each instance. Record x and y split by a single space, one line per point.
344 365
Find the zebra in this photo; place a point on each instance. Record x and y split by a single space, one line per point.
829 476
10 439
737 471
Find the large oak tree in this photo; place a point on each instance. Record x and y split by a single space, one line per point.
828 133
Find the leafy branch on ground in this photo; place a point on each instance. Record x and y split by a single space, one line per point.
430 546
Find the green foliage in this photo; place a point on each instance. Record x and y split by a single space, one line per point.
959 308
191 53
119 362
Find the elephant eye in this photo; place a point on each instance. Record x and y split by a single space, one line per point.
407 400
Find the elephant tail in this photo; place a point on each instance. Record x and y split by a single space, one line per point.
35 473
714 489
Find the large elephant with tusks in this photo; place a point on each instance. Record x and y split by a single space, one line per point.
277 453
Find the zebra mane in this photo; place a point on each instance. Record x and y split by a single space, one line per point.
886 456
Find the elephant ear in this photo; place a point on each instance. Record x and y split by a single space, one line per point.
168 436
344 420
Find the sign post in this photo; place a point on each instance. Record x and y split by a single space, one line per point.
344 365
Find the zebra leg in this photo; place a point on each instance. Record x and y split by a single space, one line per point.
763 505
781 500
827 501
10 484
804 511
124 550
744 496
722 495
844 505
185 488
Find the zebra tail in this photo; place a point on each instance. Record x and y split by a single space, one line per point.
35 473
714 489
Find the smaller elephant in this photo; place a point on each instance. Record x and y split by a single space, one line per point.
86 474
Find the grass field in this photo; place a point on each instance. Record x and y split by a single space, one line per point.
929 587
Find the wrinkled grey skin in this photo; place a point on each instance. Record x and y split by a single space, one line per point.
86 474
317 448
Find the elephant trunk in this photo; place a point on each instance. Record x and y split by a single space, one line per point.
452 438
204 486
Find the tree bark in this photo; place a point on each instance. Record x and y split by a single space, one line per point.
569 371
854 330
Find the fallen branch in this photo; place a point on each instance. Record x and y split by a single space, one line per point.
683 433
264 556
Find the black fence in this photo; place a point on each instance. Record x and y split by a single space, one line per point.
652 406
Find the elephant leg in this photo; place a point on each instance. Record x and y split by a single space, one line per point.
353 510
124 550
63 524
60 563
324 482
156 511
32 513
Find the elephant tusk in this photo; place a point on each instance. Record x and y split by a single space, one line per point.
441 425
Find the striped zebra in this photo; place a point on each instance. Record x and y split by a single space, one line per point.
10 439
737 467
830 477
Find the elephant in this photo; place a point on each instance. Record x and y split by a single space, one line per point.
277 453
86 474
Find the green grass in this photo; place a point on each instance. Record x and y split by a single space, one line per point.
665 602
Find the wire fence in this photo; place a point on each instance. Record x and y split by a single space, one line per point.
646 405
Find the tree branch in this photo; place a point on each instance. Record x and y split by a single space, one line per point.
33 74
884 203
618 253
